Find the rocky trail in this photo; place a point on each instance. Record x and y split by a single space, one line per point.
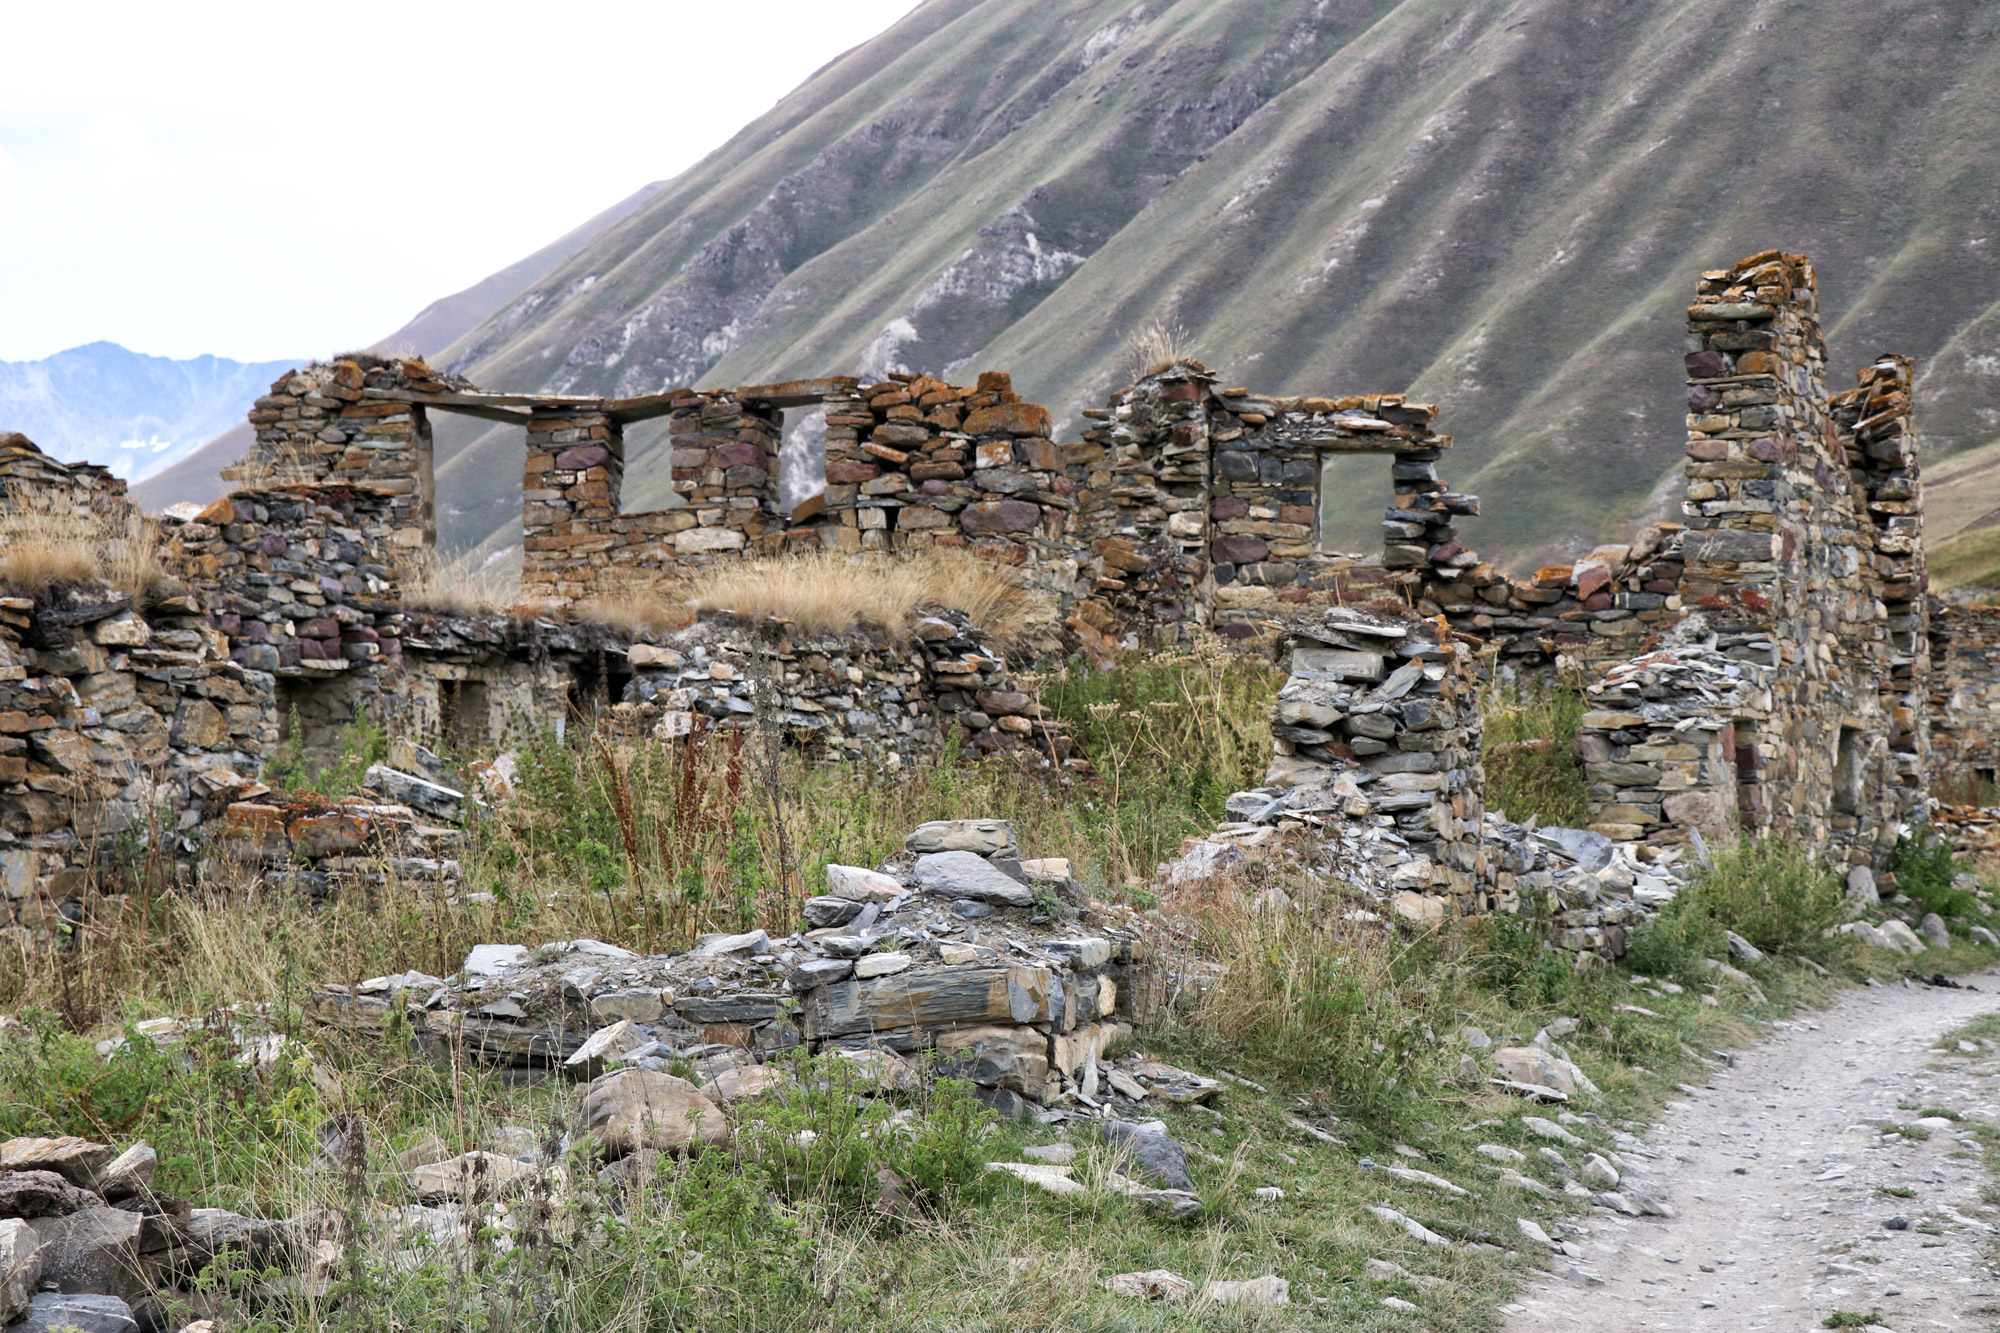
1782 1167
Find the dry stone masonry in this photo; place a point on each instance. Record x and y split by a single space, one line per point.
1773 663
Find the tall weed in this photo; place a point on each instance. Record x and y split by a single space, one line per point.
1530 752
1772 893
1319 1001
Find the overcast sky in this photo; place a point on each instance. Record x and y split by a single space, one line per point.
266 181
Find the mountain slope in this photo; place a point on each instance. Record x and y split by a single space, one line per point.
194 476
135 414
1501 204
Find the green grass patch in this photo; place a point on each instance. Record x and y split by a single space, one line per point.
1529 748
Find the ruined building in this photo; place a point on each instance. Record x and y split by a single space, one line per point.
1773 663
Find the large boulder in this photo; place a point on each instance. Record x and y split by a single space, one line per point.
962 874
60 1312
94 1250
630 1109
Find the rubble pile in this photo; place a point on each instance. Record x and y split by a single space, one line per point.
86 1242
957 946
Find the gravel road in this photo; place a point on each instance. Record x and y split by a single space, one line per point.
1777 1167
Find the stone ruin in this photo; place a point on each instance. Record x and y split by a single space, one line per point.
1773 663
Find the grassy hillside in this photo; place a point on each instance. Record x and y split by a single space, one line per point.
1501 204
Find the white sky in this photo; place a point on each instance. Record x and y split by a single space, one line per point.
261 181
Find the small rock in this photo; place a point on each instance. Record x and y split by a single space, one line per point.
1548 1129
1267 1290
75 1160
717 946
861 886
1398 1303
603 1047
1599 1172
983 837
63 1312
820 972
1861 891
828 911
871 1071
1497 1153
744 1082
1053 1178
20 1267
1743 949
1269 1194
1157 1158
633 1006
880 965
128 1173
1056 1154
1531 1064
469 1175
1901 937
1533 1231
1155 1284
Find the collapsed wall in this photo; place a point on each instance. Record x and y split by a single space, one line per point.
1799 700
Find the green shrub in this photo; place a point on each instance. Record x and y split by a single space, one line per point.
1773 894
1511 957
1341 1009
1924 865
821 1141
1677 941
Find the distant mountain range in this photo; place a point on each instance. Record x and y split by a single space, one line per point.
135 414
1498 204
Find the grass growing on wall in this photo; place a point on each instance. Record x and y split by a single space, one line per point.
1530 752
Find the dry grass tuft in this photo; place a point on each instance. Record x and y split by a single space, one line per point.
640 608
1158 346
45 541
830 591
461 587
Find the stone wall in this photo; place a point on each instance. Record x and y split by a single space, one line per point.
1963 703
1669 745
1787 565
860 697
115 727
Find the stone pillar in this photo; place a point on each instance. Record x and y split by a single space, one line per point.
317 427
1873 421
570 490
725 456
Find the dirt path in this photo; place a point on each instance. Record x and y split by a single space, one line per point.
1776 1168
